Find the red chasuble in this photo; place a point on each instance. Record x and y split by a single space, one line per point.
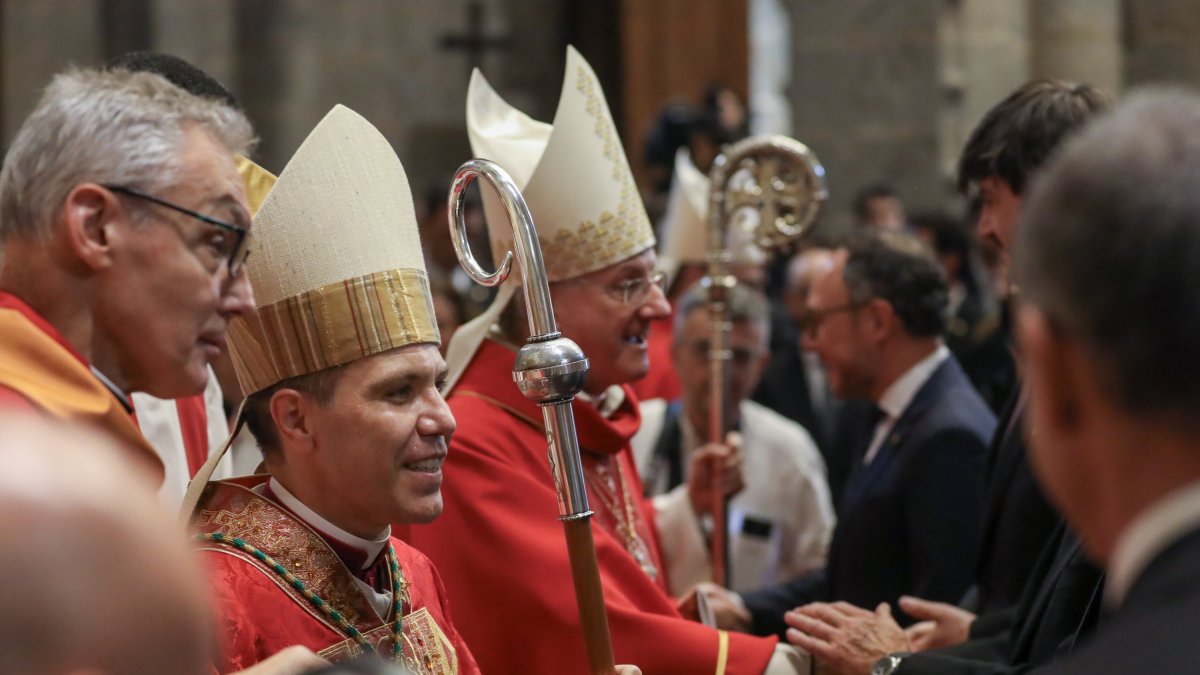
260 613
503 555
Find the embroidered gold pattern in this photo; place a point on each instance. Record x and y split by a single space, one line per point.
619 516
331 325
590 246
427 650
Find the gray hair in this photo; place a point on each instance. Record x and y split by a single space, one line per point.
900 269
107 127
746 305
1109 249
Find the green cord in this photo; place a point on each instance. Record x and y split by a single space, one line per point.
399 586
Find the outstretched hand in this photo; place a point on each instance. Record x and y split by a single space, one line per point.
714 461
845 639
939 624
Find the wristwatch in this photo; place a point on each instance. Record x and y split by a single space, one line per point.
888 664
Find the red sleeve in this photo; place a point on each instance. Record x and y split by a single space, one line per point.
502 554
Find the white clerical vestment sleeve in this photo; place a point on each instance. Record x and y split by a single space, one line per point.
684 548
789 660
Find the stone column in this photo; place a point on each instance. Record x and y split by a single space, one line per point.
1077 40
985 54
1160 42
866 95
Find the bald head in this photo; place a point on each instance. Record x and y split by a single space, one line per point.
802 270
96 577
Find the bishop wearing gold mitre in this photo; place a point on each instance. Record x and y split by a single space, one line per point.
498 545
341 369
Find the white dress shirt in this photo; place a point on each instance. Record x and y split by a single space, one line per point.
899 394
1148 535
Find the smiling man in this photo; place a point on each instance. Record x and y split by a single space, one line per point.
499 545
341 368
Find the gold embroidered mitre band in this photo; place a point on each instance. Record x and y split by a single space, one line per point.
337 270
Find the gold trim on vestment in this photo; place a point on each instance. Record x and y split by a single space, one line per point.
722 651
332 325
426 647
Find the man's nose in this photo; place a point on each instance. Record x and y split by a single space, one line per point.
238 298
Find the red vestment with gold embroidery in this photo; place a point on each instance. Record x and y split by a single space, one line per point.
503 555
261 614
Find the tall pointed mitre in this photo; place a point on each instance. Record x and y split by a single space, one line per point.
574 177
684 226
337 268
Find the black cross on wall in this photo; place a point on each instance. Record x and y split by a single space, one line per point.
474 42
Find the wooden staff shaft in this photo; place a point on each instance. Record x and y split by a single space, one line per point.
589 595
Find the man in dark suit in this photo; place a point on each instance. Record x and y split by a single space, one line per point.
910 512
1012 141
1115 221
794 383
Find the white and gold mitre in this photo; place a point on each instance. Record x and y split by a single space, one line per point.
573 174
575 179
337 269
684 226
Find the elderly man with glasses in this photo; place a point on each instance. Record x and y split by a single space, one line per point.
124 226
498 544
779 525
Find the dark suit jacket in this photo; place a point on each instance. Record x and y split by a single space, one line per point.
1018 520
1060 605
910 520
1154 629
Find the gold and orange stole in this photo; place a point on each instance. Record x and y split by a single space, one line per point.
35 365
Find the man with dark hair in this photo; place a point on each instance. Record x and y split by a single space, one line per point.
910 513
976 331
1115 221
1035 589
1012 140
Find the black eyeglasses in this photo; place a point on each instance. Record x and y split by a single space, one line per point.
234 253
813 318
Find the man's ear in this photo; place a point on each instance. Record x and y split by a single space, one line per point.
292 411
880 318
1053 371
89 212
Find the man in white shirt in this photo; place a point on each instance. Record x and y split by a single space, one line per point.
780 523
